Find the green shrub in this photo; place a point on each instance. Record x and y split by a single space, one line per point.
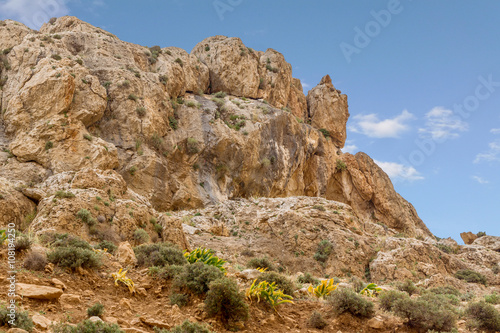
316 321
261 263
192 146
141 236
22 243
307 278
49 145
86 217
35 261
141 111
73 257
159 254
22 319
196 277
340 165
470 276
446 248
111 247
179 299
495 269
186 327
282 282
325 248
388 298
64 194
225 300
64 240
429 312
169 272
325 132
446 290
407 286
172 121
345 300
481 234
95 310
179 61
492 299
88 327
483 316
220 94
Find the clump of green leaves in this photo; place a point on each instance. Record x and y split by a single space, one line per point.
325 248
470 276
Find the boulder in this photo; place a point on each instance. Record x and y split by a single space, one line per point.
41 322
69 301
125 254
468 237
38 292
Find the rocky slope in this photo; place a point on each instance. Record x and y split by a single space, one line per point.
218 147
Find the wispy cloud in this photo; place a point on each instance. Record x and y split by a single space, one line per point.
350 148
32 13
399 172
480 180
495 130
442 124
492 155
370 125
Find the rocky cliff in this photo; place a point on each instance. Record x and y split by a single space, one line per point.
74 96
123 145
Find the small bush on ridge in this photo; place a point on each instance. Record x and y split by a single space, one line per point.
345 300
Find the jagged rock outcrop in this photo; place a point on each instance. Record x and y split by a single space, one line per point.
328 110
76 97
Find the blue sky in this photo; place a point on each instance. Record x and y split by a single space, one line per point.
422 77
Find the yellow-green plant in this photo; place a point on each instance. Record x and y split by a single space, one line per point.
3 236
206 256
262 270
323 289
120 276
268 292
370 290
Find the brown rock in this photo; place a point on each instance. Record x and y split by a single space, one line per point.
37 291
69 301
58 283
328 110
468 237
125 254
16 330
41 322
233 68
154 322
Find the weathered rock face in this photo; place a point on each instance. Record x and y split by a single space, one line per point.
76 97
368 189
328 110
489 242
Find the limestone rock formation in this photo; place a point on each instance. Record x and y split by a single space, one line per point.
468 237
328 111
86 113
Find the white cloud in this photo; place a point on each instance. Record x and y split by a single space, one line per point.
495 130
492 155
398 171
370 125
350 148
442 124
33 13
480 180
305 85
